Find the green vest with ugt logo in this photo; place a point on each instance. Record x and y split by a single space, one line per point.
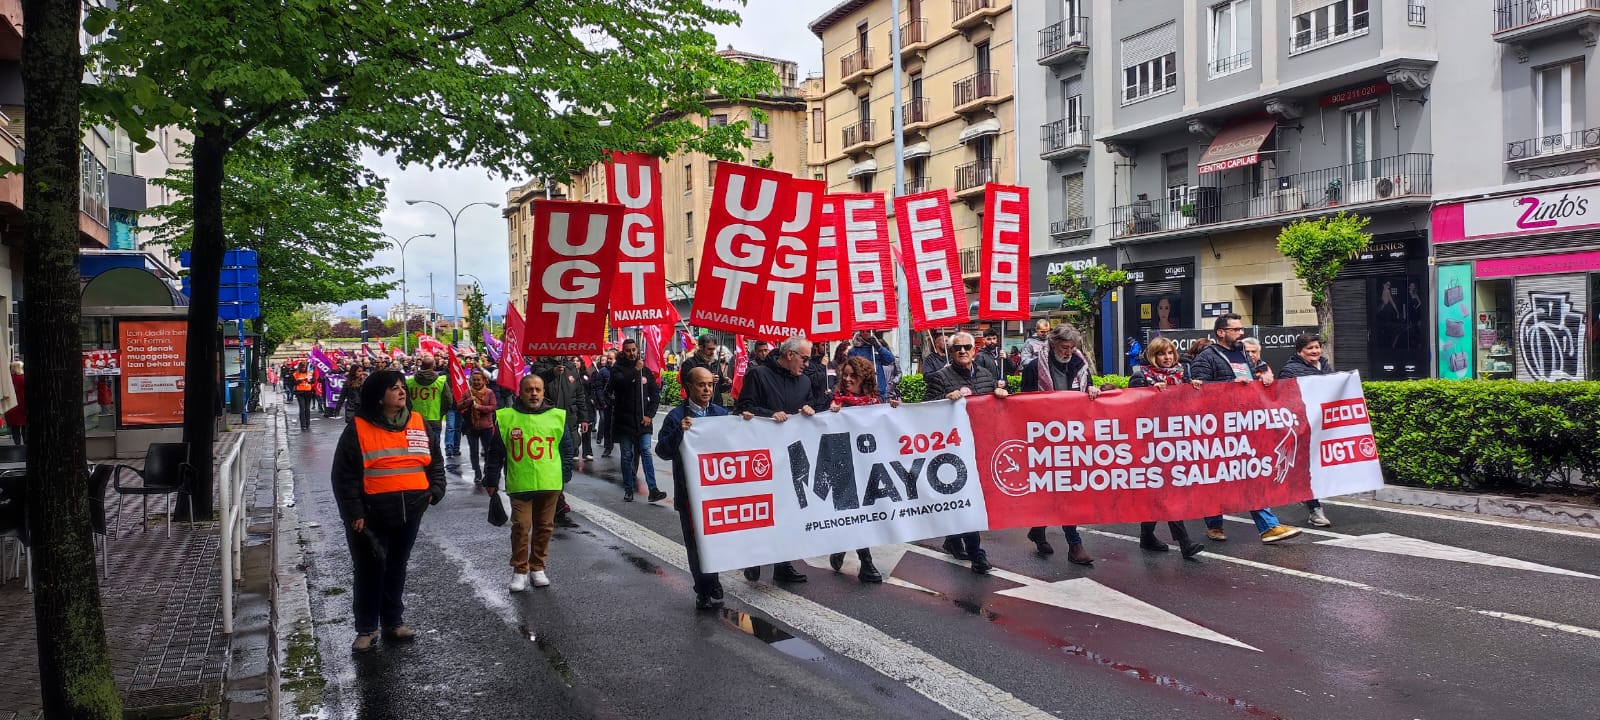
427 400
533 448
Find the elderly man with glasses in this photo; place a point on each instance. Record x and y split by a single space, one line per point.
777 392
963 378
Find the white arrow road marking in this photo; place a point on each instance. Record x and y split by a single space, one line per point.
1089 597
885 557
1401 545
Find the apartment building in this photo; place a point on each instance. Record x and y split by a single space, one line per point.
1223 121
518 214
958 58
779 142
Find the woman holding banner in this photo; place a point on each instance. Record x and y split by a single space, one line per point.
858 387
1308 360
1061 368
1162 369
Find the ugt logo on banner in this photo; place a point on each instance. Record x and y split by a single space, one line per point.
570 271
749 207
1005 254
866 254
933 269
640 298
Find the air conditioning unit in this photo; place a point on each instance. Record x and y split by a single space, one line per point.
1388 187
1288 200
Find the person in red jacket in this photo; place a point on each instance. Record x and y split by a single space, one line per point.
17 417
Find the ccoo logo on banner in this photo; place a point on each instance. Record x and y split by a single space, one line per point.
839 481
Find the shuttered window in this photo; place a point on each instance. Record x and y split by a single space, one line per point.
1074 196
1150 44
1351 335
1549 327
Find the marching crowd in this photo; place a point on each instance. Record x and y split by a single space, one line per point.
404 422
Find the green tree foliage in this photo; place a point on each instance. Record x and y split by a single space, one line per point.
477 313
1083 292
1319 248
520 87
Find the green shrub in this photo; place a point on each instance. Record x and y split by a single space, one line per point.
1120 381
670 390
1013 383
912 388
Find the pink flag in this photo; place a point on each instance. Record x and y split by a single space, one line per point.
741 363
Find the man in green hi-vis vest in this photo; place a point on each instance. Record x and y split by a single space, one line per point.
530 443
430 395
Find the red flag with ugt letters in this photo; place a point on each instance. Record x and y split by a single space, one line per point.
829 316
570 271
790 277
749 206
1003 287
870 304
931 260
639 295
458 376
511 363
741 362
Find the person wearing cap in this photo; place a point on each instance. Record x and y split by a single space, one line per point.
705 356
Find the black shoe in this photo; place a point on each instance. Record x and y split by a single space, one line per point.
869 572
1077 555
656 496
785 573
836 561
563 520
606 454
953 546
1192 549
753 574
1039 543
627 496
1153 544
716 594
703 601
980 563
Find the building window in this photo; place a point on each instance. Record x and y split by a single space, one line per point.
1360 149
1073 197
1150 78
864 182
817 125
1231 40
688 227
688 175
120 159
1558 94
1318 22
718 120
1177 166
818 176
759 129
1417 12
688 270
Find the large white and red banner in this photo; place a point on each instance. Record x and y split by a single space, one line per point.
571 267
931 260
511 364
639 296
766 492
829 315
1003 289
867 262
736 288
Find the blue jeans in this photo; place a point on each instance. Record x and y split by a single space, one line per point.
452 433
1264 518
640 446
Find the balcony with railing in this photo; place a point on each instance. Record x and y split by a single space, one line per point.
1063 41
857 135
1549 151
855 66
971 260
919 185
1064 138
971 177
94 199
966 14
1517 21
1060 230
11 183
1385 180
913 36
915 113
976 91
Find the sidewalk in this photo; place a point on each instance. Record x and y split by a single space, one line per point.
161 601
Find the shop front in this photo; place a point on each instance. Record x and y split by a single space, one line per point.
1518 283
1160 295
1048 304
1380 310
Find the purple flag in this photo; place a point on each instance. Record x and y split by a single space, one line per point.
320 359
492 346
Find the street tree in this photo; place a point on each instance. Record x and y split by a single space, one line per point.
75 678
1083 293
477 312
515 86
345 329
1319 248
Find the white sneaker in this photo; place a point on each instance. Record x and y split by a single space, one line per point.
1318 519
519 582
540 579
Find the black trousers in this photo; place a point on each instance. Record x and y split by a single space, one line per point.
704 583
305 409
1180 532
380 582
477 438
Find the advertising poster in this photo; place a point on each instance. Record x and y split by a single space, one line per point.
153 354
1455 322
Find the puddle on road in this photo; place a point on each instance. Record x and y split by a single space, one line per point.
770 634
1166 681
976 609
557 661
641 564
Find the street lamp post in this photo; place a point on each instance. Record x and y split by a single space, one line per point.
455 260
405 322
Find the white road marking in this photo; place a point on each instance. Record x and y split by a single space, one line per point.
1459 517
886 558
1401 545
1092 598
955 689
1524 619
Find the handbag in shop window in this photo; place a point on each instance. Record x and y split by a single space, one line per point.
1455 329
1454 295
1458 362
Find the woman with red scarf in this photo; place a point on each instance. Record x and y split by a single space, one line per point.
857 387
1162 369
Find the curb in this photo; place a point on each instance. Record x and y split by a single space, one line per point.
295 684
1553 513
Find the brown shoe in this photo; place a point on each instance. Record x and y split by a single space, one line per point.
1216 534
1077 555
400 632
364 642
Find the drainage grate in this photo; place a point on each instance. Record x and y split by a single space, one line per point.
168 696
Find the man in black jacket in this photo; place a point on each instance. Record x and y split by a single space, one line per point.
599 380
777 394
705 356
634 396
962 378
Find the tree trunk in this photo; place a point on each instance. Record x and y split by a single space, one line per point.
205 279
1325 322
75 679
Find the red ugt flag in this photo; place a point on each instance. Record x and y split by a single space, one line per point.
749 206
511 364
570 270
1003 288
829 315
931 262
458 376
639 296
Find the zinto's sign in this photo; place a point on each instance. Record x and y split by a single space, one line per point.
1554 211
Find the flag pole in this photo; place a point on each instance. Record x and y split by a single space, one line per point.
897 112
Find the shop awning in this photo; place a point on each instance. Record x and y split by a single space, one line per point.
1238 145
982 129
919 150
866 167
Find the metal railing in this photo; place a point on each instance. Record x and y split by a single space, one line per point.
913 32
232 505
1416 13
94 190
858 61
1071 226
857 133
918 185
960 9
1070 33
1587 139
975 87
1223 66
1379 180
1513 14
916 110
977 174
1064 133
1308 40
971 260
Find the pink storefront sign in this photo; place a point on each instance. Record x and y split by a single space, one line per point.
1559 210
1539 265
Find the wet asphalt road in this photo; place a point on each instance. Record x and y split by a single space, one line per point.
1316 630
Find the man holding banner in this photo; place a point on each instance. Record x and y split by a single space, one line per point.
699 389
1061 367
964 378
777 394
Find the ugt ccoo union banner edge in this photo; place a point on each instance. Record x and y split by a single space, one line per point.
875 476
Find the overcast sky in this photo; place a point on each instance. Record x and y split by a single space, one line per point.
776 28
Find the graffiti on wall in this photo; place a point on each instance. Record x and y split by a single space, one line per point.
1551 337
